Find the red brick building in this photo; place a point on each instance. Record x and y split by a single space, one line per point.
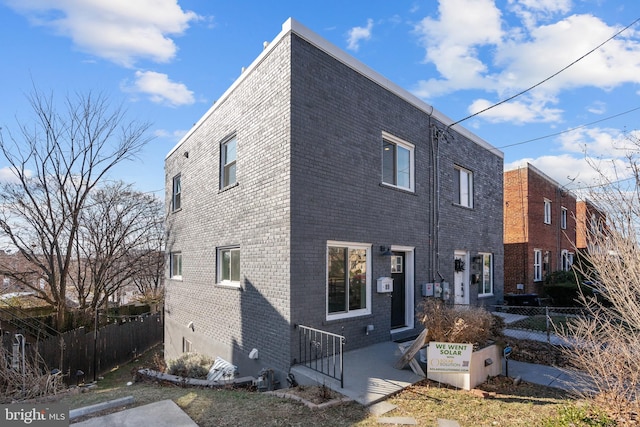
539 229
589 218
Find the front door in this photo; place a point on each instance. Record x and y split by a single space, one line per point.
399 295
460 278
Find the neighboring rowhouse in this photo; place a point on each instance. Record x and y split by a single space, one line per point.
539 229
307 181
590 221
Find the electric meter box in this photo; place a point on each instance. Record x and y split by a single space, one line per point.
385 284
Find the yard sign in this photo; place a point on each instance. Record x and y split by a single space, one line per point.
448 357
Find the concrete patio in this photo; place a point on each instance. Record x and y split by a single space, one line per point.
369 374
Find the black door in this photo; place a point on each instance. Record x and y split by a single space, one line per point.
398 303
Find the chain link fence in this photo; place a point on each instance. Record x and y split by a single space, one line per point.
538 334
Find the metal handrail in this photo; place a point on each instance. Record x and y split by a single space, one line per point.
322 351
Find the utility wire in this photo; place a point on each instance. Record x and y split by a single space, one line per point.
570 129
548 78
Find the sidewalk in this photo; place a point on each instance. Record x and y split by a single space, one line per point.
548 376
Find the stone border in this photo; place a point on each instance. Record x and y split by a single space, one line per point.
194 382
123 401
324 405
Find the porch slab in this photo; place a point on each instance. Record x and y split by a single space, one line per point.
369 375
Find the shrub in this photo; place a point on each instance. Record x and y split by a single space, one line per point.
446 323
564 289
190 365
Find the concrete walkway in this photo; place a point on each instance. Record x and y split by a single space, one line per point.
164 413
369 374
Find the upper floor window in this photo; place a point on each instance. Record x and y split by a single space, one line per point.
175 265
563 218
228 157
547 211
463 182
175 193
485 285
229 266
537 265
348 280
397 162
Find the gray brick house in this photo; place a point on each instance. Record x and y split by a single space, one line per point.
310 179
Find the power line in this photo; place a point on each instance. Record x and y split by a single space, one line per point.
548 78
570 129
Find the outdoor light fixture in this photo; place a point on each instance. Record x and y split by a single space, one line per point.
191 326
488 362
385 250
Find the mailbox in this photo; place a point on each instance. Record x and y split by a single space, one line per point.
385 284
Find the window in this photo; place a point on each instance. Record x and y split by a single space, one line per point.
563 218
463 187
537 265
229 266
348 280
397 162
485 285
187 346
175 265
177 189
547 211
566 260
228 153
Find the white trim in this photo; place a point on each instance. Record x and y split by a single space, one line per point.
493 285
412 161
293 26
368 284
225 283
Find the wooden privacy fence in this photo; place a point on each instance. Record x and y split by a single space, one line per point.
83 354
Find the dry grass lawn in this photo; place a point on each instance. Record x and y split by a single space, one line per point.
496 403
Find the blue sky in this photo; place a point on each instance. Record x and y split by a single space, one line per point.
167 61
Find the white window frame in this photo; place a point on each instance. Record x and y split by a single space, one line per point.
227 282
176 193
226 164
397 142
537 265
349 313
484 256
175 265
547 211
563 218
464 192
566 260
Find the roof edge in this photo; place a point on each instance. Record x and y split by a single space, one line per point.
293 26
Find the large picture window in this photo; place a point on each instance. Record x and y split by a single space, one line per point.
397 162
348 280
485 285
228 162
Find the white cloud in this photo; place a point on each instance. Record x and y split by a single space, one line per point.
504 57
175 135
121 31
517 111
600 142
159 89
357 34
7 175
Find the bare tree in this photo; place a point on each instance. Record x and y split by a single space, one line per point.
117 228
606 342
57 160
